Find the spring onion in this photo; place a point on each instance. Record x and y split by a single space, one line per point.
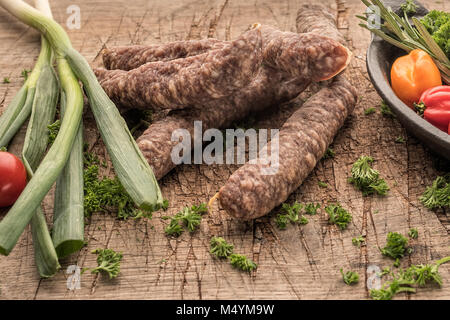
19 109
35 145
45 254
20 214
130 165
68 213
38 96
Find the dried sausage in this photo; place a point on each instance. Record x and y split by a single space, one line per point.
250 193
131 57
269 88
279 47
181 83
317 19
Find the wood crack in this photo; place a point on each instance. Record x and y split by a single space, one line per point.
215 21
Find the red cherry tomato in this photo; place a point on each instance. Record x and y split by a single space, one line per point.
13 178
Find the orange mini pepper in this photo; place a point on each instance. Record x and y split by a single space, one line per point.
412 74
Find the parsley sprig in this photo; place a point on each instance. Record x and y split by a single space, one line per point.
174 228
312 208
291 214
322 184
53 130
190 217
386 110
220 248
396 245
241 262
409 279
413 233
282 221
367 179
438 194
338 215
108 261
358 241
329 154
350 277
25 73
369 111
107 194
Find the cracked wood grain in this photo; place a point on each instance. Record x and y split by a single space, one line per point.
299 263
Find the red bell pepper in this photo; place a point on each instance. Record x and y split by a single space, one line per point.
437 107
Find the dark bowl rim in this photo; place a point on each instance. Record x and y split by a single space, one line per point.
425 130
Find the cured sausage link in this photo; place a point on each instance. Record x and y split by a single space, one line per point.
251 193
131 57
279 48
316 57
197 80
180 83
269 88
317 19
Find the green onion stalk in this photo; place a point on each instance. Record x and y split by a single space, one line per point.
36 139
68 219
68 236
130 165
20 107
38 96
68 213
23 210
20 214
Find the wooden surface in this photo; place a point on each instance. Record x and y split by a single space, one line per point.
301 262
